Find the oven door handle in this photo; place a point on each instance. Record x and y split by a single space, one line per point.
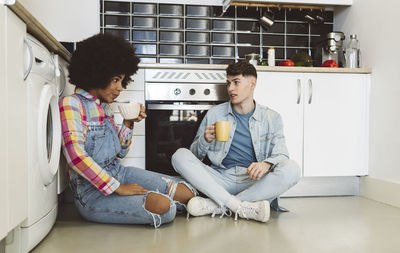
178 107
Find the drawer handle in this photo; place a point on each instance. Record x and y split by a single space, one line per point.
298 91
310 91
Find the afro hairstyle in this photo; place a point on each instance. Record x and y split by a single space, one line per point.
99 58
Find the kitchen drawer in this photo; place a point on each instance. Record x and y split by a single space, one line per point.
138 162
139 128
197 50
116 7
197 37
171 23
223 51
144 22
171 10
197 11
149 9
131 96
120 21
171 50
144 35
150 49
138 147
123 33
171 36
197 24
223 38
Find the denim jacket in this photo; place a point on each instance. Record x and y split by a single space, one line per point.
266 130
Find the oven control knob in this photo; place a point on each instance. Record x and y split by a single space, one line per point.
192 91
177 91
207 92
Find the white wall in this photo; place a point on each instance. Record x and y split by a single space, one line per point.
376 24
66 20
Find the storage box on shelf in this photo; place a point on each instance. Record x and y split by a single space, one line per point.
325 119
134 92
13 149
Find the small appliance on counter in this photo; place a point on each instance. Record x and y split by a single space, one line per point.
332 48
252 58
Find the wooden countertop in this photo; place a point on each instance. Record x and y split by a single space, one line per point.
39 32
259 68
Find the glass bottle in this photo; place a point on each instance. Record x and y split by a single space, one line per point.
271 56
353 52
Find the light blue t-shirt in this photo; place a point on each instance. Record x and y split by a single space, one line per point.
241 152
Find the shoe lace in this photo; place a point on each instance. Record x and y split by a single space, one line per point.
219 210
242 210
223 211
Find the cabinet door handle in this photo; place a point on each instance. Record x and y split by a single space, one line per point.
309 91
298 91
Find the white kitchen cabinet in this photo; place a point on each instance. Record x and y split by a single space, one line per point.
3 134
325 119
336 125
282 92
16 121
13 130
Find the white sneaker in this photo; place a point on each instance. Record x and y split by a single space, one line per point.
198 206
258 211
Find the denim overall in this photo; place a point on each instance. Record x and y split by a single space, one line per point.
103 145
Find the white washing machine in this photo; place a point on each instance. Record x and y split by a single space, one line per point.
64 88
44 143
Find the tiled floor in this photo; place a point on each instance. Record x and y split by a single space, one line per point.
323 224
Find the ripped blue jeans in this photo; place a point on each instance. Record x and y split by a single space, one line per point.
94 206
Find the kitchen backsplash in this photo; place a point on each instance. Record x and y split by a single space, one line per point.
171 33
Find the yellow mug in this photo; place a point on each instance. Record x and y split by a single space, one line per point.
222 130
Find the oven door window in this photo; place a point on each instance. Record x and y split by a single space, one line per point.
166 131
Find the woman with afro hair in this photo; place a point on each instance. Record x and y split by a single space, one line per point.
104 190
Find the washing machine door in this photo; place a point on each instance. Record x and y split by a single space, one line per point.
49 133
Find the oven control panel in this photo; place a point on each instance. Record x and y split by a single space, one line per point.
185 76
185 85
186 92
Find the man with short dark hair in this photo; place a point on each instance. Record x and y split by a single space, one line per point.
252 168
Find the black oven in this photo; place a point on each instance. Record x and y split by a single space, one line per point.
176 102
